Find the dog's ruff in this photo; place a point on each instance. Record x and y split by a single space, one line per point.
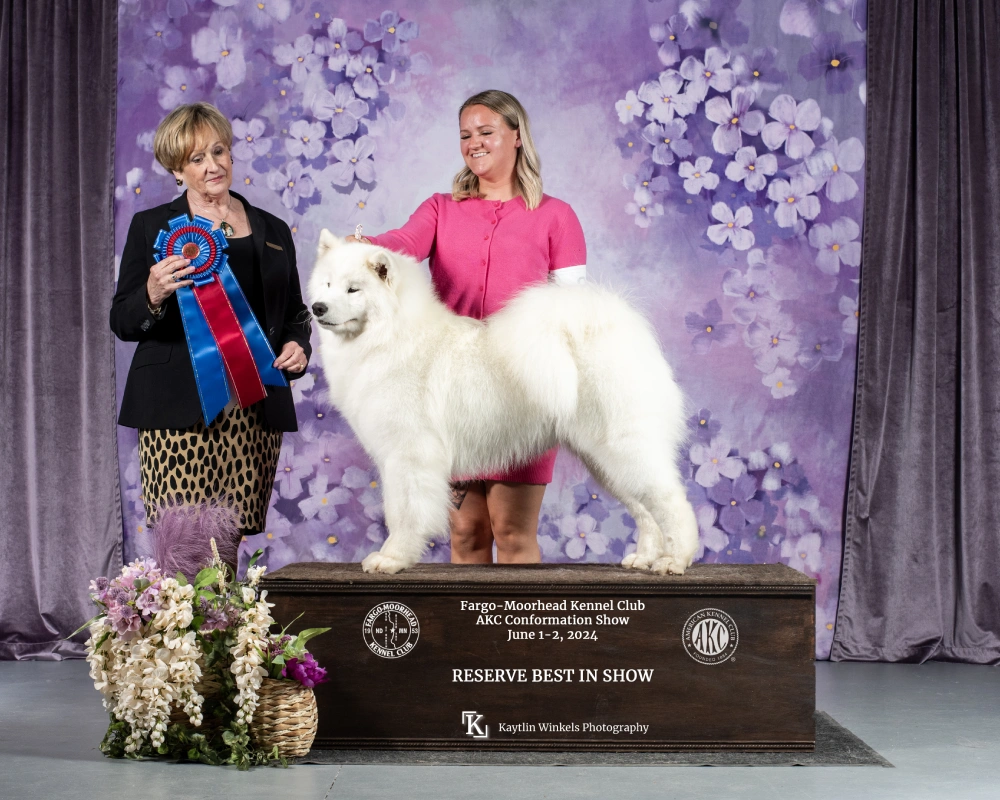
430 395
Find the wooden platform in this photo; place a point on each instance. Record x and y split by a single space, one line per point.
558 657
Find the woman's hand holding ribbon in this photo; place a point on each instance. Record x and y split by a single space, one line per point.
165 278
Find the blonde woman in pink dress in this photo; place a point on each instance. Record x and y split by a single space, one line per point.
495 234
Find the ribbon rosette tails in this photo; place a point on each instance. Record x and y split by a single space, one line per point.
223 336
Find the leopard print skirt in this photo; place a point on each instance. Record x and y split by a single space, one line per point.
231 461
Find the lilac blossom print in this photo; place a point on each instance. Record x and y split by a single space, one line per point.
678 160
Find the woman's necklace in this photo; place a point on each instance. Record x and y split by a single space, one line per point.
227 230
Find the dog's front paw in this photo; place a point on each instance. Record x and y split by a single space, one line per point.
668 565
633 561
380 562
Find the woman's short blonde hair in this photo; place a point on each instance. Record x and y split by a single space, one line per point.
527 168
176 135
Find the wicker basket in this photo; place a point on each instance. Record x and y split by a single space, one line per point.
286 716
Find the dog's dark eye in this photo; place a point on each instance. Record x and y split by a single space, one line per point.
351 289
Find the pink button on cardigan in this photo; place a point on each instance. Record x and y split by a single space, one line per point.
482 253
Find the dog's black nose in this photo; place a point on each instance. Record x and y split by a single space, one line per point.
319 309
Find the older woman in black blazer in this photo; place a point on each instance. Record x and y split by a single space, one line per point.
184 458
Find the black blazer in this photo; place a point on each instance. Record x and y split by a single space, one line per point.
160 391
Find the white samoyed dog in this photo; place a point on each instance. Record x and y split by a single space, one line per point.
431 395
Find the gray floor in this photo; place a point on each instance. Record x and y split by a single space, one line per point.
939 724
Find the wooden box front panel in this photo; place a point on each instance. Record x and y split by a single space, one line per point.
604 664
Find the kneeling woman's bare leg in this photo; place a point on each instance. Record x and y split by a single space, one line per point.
513 512
471 534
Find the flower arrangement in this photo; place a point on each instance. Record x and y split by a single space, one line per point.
181 663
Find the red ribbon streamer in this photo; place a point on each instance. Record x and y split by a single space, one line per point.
229 336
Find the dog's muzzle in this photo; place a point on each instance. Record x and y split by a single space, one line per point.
319 309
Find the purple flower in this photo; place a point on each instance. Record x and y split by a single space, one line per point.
714 462
341 44
805 553
707 328
264 13
833 58
249 141
772 341
792 124
158 32
643 207
224 48
830 164
713 23
711 537
183 85
754 290
836 245
124 619
732 227
644 177
758 71
668 141
305 138
630 107
697 176
780 383
300 57
390 31
801 17
322 499
712 72
733 118
362 68
292 469
819 343
589 498
738 506
703 424
582 535
354 160
631 143
794 200
305 670
133 184
665 98
780 465
341 107
666 34
99 590
750 168
848 306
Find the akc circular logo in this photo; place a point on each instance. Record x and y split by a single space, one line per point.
710 636
391 630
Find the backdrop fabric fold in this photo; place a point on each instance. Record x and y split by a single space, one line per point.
60 503
921 569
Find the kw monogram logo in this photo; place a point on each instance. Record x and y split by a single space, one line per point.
710 636
471 720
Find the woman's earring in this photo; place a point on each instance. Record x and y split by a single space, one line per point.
179 182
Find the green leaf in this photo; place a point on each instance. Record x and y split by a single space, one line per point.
141 584
181 580
85 625
309 633
257 554
207 576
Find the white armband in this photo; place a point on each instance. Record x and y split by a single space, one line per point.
569 276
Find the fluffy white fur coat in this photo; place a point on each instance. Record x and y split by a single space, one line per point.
430 395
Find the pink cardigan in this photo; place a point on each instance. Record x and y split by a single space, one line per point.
482 253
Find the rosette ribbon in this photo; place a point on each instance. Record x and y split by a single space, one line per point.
223 335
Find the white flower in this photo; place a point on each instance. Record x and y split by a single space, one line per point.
254 574
836 244
794 199
697 176
780 383
630 107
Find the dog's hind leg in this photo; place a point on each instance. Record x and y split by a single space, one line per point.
649 542
415 495
675 517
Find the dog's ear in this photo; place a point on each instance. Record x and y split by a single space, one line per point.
379 264
327 242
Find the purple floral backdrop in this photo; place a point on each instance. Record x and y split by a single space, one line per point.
712 149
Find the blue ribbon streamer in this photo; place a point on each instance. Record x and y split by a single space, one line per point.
206 360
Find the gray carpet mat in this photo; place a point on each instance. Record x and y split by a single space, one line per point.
835 747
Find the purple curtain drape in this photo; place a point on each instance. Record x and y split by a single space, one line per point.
60 506
921 570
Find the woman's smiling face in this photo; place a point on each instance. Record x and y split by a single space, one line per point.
489 147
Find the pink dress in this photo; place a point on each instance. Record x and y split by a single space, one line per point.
482 253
